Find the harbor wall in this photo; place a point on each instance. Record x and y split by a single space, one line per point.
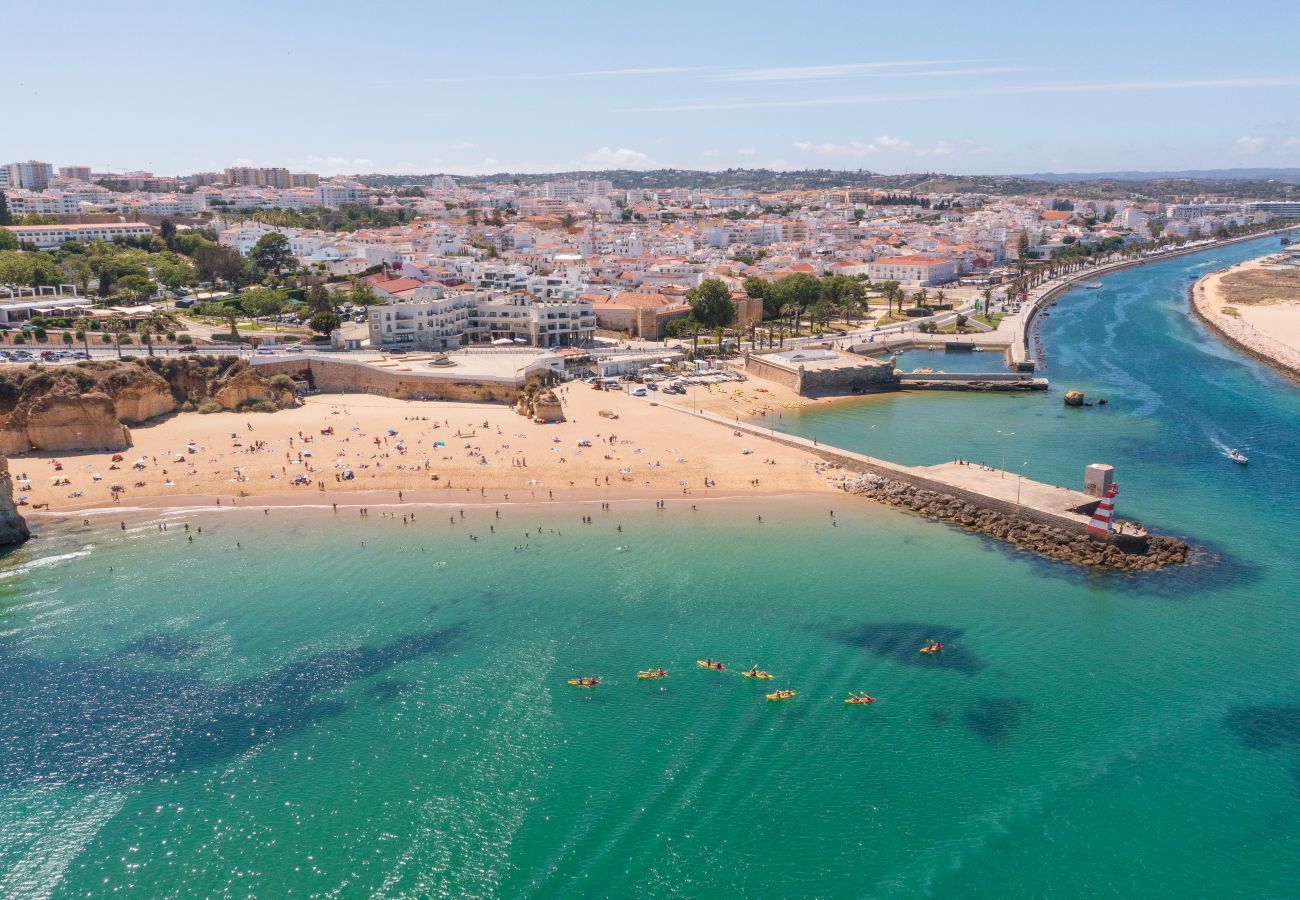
343 377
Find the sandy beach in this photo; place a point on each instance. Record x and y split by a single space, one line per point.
357 449
1256 308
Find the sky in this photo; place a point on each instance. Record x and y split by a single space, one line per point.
465 88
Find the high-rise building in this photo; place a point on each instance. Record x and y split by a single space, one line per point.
249 176
202 179
80 173
32 175
305 179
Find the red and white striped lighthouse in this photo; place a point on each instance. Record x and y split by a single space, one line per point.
1100 524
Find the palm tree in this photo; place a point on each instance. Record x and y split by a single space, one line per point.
791 309
83 330
145 328
117 328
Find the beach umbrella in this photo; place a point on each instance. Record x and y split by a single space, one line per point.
503 341
520 341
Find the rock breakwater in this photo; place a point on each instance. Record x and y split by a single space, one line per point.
1136 554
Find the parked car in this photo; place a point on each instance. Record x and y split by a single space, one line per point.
638 392
48 355
294 348
186 348
265 351
397 351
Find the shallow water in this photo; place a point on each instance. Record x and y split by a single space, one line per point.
307 714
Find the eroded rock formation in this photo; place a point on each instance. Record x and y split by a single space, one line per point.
13 529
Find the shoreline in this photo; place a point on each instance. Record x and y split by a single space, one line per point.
1240 336
1048 297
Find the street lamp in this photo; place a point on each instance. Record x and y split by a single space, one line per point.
1005 435
1020 474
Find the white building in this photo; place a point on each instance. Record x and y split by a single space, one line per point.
436 320
44 237
337 194
32 175
919 270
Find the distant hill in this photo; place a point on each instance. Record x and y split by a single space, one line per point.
1289 175
1261 184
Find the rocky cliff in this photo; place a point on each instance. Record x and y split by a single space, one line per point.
87 406
13 530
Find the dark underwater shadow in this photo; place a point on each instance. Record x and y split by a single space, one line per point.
995 719
1265 727
901 642
94 720
1210 568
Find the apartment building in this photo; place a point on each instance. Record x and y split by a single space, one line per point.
45 237
338 194
31 175
430 320
434 319
76 173
250 176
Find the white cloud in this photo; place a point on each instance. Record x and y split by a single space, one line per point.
822 73
622 158
1086 87
852 148
747 151
1248 145
463 145
1291 142
889 144
709 154
551 76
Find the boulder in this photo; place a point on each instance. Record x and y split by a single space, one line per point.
1074 398
247 387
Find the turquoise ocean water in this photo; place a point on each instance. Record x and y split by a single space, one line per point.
306 716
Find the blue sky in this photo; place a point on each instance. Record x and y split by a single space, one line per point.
470 88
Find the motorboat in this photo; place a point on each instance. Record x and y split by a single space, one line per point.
1238 457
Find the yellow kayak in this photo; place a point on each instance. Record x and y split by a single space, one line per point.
862 699
758 674
584 682
781 695
653 673
710 664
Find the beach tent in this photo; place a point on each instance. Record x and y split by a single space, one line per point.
503 341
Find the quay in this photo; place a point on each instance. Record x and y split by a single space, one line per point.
986 488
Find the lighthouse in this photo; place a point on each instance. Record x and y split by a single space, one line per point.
1100 523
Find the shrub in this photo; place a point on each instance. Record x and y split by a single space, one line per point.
210 406
40 333
106 337
916 312
282 382
171 335
19 339
188 406
264 406
37 384
182 338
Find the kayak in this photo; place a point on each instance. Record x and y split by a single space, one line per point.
862 699
584 682
932 648
781 695
653 673
759 674
705 664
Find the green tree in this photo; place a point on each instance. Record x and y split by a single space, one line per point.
7 239
363 294
800 290
145 328
67 337
264 303
217 263
6 217
227 311
136 287
114 331
711 304
174 273
271 254
325 322
318 299
167 231
83 330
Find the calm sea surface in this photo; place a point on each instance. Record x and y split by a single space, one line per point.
311 716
